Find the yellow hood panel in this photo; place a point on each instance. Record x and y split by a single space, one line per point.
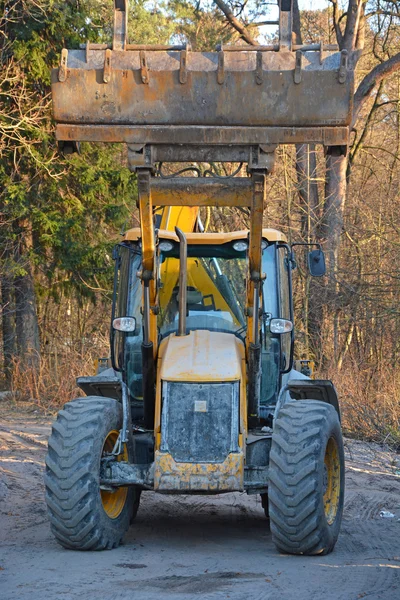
201 356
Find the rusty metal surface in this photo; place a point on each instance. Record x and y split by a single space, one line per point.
185 88
171 476
190 152
167 95
270 48
90 46
202 191
120 24
218 136
285 23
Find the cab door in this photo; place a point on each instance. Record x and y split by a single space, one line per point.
285 305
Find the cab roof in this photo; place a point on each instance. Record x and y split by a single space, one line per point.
271 235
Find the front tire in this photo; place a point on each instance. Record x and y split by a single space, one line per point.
306 478
82 516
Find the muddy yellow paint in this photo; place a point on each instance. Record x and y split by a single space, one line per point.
332 492
202 356
170 475
184 217
272 235
114 502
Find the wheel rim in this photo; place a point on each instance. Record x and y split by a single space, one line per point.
113 502
331 480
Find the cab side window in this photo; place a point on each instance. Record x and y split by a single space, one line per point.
121 302
284 304
270 351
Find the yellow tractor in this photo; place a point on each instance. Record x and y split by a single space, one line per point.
202 396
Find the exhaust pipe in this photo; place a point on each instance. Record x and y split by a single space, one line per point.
182 281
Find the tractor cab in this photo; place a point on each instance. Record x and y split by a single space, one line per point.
216 270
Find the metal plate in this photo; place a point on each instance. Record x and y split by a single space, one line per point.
200 421
195 135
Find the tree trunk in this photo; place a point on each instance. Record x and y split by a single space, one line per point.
26 321
331 227
8 329
306 168
329 235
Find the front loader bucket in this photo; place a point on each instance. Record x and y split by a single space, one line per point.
239 95
259 96
250 89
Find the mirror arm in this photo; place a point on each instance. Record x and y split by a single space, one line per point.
317 244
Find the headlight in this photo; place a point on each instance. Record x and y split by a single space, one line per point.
165 246
240 246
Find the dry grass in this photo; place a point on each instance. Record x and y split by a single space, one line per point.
370 403
53 383
370 399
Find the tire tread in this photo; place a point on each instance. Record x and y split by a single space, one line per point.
295 477
71 481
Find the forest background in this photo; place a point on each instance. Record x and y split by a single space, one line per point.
61 216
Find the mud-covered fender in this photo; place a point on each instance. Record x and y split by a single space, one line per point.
299 387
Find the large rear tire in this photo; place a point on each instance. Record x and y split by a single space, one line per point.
306 478
82 516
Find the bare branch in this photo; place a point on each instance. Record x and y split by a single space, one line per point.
367 85
336 23
385 13
236 24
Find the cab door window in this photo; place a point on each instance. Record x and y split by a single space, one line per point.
285 307
270 347
126 347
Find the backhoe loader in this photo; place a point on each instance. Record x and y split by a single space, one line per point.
202 396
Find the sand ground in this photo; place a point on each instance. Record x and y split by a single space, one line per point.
182 548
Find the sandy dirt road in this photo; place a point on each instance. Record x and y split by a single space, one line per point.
194 547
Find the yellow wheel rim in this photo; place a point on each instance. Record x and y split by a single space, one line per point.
331 480
114 502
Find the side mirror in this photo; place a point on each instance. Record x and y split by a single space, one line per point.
316 263
126 324
280 326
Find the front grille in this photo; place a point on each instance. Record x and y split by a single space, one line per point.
200 421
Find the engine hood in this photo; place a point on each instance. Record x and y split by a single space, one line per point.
201 356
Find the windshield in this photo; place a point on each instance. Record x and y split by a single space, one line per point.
216 289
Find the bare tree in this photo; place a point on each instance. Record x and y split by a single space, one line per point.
323 210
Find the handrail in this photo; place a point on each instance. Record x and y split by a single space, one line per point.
182 281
